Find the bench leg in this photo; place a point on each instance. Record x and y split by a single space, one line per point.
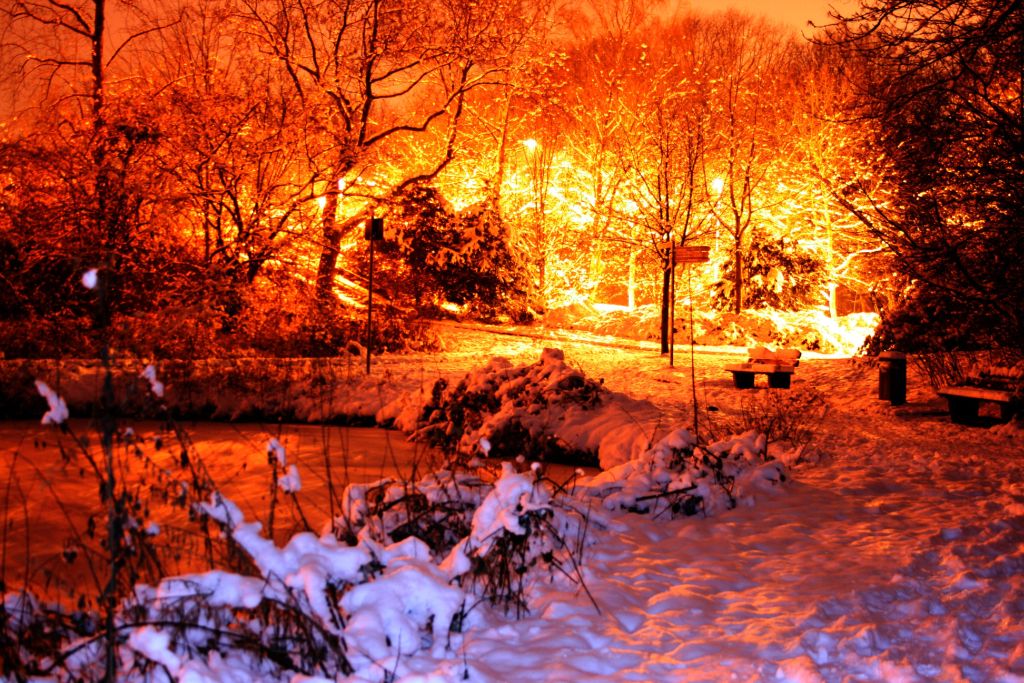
963 411
779 380
1007 411
743 380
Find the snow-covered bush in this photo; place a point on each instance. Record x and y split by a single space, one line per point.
436 260
438 509
321 607
966 367
778 272
679 475
491 528
510 536
506 411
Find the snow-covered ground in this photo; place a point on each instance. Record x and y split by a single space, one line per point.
899 555
892 552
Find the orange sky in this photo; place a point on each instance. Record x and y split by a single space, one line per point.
793 13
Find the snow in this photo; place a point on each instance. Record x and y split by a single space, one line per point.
156 386
888 549
90 278
513 495
58 408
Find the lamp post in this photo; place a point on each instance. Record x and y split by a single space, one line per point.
374 232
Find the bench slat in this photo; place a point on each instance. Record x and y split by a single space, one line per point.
759 354
761 368
978 393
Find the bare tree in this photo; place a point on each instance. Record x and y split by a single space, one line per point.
66 48
590 113
752 63
829 149
372 76
234 142
665 147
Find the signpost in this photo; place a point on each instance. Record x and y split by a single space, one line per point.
691 254
687 255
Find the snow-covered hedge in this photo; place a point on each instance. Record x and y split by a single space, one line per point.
506 411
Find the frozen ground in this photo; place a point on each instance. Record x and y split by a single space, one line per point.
896 555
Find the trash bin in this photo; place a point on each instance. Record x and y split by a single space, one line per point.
892 377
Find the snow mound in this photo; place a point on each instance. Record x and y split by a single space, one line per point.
544 411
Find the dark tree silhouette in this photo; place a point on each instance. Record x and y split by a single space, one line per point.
942 82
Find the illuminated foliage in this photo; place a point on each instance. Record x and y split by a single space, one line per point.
374 74
780 274
439 257
224 159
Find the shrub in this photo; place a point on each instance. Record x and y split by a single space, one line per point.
777 273
781 415
507 411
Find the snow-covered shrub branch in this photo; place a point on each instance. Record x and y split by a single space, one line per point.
318 606
490 528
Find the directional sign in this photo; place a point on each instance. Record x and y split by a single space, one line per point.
691 254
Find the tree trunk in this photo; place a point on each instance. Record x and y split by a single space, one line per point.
831 255
738 279
631 281
542 248
666 287
499 175
330 248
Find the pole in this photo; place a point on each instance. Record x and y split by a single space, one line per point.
672 308
693 364
369 302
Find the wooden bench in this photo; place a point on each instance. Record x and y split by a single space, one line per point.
1003 386
779 366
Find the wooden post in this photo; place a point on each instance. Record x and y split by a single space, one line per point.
369 309
693 362
688 256
672 309
374 232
